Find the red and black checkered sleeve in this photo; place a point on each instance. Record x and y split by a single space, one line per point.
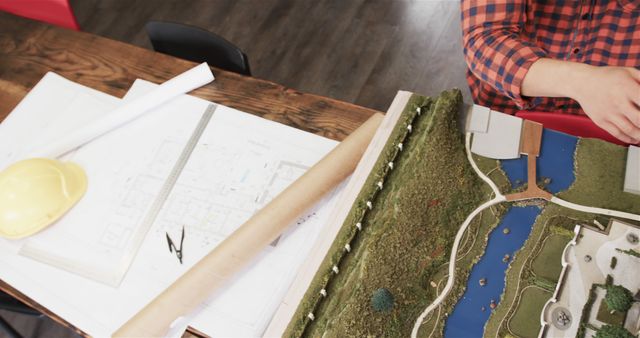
494 48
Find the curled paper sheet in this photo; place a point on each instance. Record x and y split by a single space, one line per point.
181 84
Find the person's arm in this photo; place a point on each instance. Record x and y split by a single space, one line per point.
517 68
493 48
610 96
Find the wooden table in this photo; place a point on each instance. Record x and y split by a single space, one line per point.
29 49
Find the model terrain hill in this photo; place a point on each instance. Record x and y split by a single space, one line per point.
390 272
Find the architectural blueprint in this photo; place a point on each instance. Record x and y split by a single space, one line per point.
240 162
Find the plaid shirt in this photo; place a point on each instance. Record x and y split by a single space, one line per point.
502 39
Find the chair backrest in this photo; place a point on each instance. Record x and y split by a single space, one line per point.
576 125
196 44
55 12
7 302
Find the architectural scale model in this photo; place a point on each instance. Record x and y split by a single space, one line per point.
511 230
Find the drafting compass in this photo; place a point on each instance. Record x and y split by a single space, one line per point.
172 246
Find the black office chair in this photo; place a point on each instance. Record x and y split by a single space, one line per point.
196 44
7 302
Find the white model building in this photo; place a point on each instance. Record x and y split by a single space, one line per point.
576 278
495 135
632 176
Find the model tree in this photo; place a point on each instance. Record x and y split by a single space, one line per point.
618 298
382 300
613 331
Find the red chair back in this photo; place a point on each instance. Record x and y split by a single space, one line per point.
577 125
55 12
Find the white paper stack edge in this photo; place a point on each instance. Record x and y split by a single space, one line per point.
181 84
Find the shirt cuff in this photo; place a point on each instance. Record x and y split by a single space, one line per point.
522 66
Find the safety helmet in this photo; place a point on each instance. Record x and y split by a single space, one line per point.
34 193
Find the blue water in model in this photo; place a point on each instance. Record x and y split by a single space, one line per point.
467 319
555 162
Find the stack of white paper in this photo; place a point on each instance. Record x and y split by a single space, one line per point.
240 162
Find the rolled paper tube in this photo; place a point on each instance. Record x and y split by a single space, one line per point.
191 79
243 245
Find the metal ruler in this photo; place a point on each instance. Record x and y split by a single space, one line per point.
165 191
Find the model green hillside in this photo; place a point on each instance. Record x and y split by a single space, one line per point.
406 237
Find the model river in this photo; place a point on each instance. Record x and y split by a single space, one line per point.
472 311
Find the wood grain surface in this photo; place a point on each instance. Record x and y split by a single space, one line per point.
29 49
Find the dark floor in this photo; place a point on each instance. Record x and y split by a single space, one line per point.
353 50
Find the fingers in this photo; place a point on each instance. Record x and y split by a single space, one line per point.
617 133
635 73
631 113
627 120
632 117
627 128
614 102
634 95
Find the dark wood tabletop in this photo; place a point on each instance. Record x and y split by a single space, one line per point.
29 49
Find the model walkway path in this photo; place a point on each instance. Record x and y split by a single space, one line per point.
499 198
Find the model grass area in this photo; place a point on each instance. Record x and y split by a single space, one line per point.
547 262
472 247
608 316
493 170
599 170
405 238
526 320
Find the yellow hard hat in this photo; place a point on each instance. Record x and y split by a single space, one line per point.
35 193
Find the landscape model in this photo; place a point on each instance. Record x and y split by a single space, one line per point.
536 238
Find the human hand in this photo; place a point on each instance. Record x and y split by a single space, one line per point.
610 96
